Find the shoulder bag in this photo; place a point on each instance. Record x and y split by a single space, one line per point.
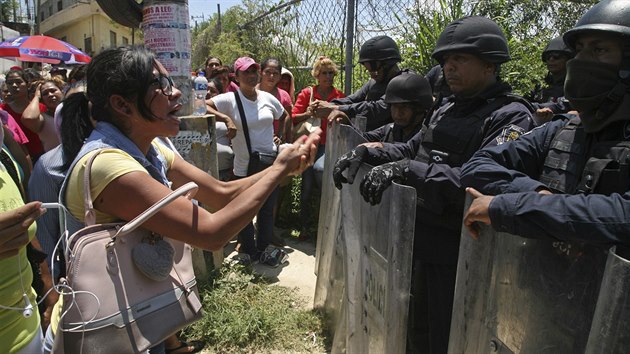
258 161
308 125
127 289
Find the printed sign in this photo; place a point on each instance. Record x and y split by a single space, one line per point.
167 34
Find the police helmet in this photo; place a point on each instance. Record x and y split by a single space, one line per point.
557 45
379 48
612 16
476 35
409 88
607 16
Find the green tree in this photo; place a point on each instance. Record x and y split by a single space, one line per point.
8 9
528 25
261 29
422 30
208 39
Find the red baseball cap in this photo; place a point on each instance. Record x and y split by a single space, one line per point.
244 63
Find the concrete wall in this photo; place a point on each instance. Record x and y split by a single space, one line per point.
79 21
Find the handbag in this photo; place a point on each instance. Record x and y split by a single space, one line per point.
113 306
258 161
308 125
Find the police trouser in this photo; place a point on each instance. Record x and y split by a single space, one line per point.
430 307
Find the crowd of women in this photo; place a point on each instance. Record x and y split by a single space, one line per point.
122 106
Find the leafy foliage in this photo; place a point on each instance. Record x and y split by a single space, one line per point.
528 25
422 31
296 32
8 9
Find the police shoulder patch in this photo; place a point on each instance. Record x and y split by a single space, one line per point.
510 133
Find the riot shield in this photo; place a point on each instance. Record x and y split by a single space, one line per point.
329 287
377 247
610 332
340 139
518 295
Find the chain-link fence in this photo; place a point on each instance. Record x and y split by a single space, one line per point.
297 32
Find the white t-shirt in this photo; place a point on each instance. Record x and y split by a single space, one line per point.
260 116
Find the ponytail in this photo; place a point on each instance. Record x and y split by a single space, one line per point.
76 126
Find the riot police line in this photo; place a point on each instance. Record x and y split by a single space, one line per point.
513 294
523 295
363 278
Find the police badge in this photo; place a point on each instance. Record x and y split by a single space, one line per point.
510 133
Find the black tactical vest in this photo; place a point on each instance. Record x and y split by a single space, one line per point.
454 139
574 165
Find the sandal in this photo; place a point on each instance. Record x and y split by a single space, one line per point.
194 346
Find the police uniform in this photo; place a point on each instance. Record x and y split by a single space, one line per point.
453 134
587 172
367 102
552 96
390 133
431 163
583 161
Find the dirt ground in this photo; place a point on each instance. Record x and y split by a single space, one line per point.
298 272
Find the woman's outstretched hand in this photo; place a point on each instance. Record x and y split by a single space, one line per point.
297 157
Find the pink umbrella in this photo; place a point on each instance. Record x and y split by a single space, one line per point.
42 49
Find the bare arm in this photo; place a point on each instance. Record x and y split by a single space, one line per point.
221 117
187 222
32 117
19 152
280 135
213 193
300 117
53 296
288 126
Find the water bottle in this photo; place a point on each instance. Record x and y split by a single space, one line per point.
200 90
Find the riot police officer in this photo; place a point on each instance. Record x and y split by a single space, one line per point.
410 98
550 100
568 179
380 57
482 112
438 84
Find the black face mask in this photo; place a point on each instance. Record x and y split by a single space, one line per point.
595 90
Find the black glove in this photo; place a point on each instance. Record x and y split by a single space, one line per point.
380 177
351 160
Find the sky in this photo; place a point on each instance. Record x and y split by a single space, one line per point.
207 8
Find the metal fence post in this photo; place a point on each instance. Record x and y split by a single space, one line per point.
350 21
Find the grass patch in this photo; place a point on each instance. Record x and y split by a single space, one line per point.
246 314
